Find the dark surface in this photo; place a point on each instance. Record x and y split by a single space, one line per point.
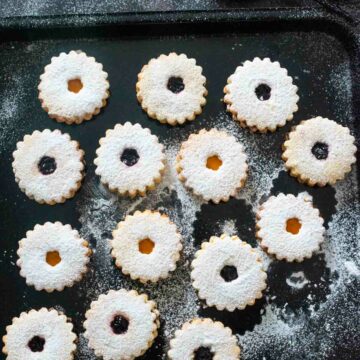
212 39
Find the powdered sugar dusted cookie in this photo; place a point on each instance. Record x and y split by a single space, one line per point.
73 87
146 246
289 227
319 151
121 324
212 164
171 89
52 256
261 95
228 273
130 160
39 335
48 166
204 339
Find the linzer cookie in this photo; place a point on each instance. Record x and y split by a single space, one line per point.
289 227
319 151
228 273
171 89
73 87
130 160
212 164
52 256
40 335
48 166
146 246
261 95
121 324
204 339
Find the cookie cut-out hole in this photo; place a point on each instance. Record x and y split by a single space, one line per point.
36 344
176 84
213 162
146 246
119 324
129 157
203 353
229 273
263 92
47 165
53 258
293 226
75 85
320 150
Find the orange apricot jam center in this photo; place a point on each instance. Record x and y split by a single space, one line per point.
293 226
213 162
75 85
53 258
146 246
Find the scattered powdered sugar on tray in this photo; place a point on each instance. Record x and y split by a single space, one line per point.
177 301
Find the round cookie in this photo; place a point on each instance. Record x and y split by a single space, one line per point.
39 335
171 89
228 273
261 95
130 160
121 324
52 256
289 227
204 339
212 164
319 151
48 166
73 87
146 246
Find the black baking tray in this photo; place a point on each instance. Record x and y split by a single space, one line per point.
317 39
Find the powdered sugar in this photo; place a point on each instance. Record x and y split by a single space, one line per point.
145 168
162 258
274 237
221 183
254 110
64 179
244 289
65 105
164 104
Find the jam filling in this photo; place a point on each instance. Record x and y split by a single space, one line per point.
53 258
320 150
213 162
203 353
47 165
36 344
146 246
263 92
176 84
229 273
119 324
129 157
293 226
75 85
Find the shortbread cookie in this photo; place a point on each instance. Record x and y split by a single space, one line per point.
289 227
204 339
52 256
319 151
146 246
212 164
261 95
121 325
228 273
73 87
130 160
171 89
48 166
39 335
